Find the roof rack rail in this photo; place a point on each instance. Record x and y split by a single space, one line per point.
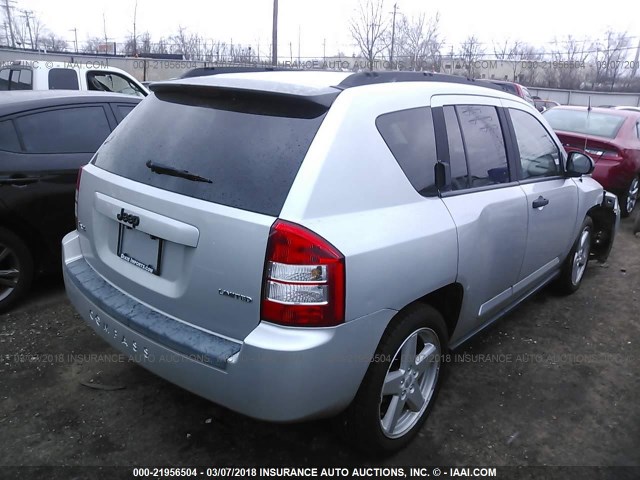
368 78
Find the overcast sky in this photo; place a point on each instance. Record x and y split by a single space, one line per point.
249 21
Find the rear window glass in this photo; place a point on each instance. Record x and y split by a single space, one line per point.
249 146
508 87
63 79
588 123
410 137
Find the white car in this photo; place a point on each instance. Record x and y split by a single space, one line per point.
80 75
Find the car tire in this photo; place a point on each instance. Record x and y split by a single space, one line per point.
576 262
411 386
629 199
16 269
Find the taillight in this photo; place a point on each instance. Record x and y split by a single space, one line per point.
304 279
604 154
77 191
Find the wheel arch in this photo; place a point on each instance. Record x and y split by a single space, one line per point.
447 300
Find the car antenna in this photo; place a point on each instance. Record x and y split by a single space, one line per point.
588 112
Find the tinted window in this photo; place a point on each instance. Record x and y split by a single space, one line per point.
249 146
484 144
63 79
410 137
124 110
4 79
112 82
457 158
8 137
580 121
20 79
69 130
508 87
539 155
25 80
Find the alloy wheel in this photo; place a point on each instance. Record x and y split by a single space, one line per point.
632 194
410 382
581 256
9 271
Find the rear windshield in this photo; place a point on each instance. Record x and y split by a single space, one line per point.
249 146
587 123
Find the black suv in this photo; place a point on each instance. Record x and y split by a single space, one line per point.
45 137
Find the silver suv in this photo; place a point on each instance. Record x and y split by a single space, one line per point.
293 245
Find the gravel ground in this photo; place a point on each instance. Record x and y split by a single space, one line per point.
556 382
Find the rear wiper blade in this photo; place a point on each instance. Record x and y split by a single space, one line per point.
174 172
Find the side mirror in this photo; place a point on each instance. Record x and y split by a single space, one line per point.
579 164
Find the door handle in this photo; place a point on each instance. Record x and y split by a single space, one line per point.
18 180
540 202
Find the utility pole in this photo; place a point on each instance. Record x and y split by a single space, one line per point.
13 38
298 44
75 41
324 52
26 14
274 35
393 33
135 38
104 26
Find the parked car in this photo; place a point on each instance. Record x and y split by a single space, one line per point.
45 137
543 105
612 138
301 244
512 87
79 75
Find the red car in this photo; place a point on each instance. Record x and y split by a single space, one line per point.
612 138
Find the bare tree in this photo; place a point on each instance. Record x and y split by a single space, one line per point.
610 54
51 41
419 42
470 52
92 45
368 29
568 63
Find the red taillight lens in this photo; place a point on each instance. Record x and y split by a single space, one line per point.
304 279
77 191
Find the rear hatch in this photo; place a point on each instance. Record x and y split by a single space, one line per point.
176 206
593 132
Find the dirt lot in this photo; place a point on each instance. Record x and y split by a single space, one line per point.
555 383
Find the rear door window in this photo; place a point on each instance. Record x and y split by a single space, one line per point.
66 130
249 146
484 145
63 79
410 136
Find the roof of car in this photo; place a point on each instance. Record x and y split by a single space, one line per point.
16 101
318 86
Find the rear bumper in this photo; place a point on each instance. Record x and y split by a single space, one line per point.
613 176
275 373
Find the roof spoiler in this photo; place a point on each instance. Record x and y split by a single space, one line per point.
202 90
